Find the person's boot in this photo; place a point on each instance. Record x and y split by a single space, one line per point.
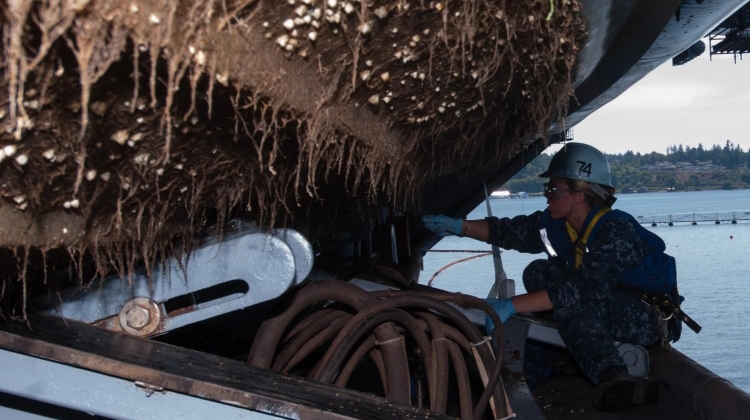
619 391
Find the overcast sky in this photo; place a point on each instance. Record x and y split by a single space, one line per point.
702 101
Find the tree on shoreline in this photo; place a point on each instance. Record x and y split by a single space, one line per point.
681 168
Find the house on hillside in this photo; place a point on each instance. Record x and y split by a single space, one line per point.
665 166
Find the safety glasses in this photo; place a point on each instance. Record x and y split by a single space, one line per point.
553 193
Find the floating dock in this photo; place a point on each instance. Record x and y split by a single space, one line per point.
732 217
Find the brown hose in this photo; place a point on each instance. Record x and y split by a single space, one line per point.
304 336
451 334
411 299
434 301
305 323
269 334
364 348
377 358
379 315
438 364
462 379
321 338
465 301
363 322
455 343
455 336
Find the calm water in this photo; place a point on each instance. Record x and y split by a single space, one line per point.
712 265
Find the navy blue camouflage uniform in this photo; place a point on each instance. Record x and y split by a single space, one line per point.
590 314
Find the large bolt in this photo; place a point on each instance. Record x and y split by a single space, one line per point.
137 317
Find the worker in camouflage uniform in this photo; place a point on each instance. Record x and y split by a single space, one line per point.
578 279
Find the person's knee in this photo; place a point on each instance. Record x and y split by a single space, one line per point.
577 319
537 275
579 326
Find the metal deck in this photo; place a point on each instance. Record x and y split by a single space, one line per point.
161 371
61 370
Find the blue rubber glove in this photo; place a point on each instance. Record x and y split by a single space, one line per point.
443 225
504 309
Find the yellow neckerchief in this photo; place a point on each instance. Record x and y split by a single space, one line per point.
580 244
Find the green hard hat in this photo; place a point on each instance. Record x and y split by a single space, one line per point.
580 161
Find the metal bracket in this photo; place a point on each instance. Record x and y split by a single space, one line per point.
150 389
245 268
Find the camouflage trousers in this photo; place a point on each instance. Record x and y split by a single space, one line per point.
590 328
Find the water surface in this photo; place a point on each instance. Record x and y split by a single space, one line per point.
713 262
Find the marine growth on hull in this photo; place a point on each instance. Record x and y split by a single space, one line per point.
128 126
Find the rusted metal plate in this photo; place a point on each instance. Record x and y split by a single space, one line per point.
193 373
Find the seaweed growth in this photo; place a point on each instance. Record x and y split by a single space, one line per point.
128 124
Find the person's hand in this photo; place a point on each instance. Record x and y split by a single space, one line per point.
443 225
504 309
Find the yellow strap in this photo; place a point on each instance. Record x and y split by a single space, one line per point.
580 245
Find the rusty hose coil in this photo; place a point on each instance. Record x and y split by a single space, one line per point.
323 321
271 330
318 340
377 312
305 323
414 299
468 302
463 300
360 324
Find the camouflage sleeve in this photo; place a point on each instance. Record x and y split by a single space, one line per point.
616 248
520 233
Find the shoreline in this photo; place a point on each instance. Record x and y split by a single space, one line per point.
659 189
648 190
